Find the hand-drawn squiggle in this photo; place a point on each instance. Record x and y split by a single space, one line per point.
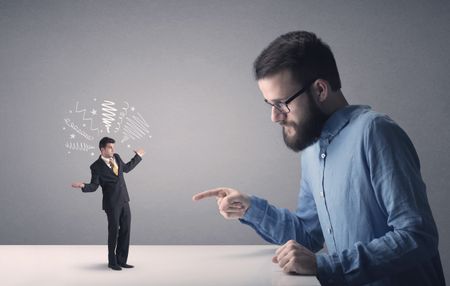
108 113
79 146
84 118
122 115
78 130
135 128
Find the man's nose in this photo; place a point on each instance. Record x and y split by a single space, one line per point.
277 115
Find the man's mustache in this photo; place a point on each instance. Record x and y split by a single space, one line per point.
287 123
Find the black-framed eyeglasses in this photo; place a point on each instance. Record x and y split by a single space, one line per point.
282 106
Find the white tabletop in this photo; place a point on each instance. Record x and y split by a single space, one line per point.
154 265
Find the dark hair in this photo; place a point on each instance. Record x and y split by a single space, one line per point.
301 52
105 141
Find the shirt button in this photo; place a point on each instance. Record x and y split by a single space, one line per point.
321 194
330 230
323 155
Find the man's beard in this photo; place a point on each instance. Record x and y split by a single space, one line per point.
307 132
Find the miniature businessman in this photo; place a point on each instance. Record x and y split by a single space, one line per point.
107 172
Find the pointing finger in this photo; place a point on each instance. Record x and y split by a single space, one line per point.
219 192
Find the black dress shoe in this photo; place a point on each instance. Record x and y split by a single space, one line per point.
114 267
124 265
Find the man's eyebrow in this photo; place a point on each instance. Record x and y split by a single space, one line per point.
275 100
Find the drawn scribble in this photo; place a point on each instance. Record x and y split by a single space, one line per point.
79 146
77 129
84 117
135 127
99 117
122 115
108 113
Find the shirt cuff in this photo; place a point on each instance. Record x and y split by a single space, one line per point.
329 270
257 210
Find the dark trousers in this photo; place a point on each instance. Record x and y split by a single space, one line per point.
119 223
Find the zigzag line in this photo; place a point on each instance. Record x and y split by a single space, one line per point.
79 146
135 128
84 118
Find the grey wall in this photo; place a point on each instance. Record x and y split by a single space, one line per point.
186 66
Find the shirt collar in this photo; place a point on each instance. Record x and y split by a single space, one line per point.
106 160
339 119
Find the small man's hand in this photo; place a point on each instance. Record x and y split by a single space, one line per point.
140 152
232 204
293 257
78 185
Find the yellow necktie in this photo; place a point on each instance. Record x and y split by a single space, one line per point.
114 167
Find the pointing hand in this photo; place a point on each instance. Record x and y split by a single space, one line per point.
232 204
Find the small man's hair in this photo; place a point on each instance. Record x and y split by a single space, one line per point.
105 141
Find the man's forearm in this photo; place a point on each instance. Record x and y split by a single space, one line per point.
277 225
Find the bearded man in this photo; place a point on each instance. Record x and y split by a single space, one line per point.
361 190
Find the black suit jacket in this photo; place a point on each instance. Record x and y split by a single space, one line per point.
114 188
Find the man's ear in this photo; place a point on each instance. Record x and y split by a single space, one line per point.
321 90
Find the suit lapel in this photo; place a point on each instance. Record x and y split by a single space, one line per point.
105 168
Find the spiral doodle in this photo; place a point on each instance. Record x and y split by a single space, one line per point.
108 113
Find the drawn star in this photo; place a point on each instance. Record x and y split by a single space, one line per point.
92 154
132 108
68 152
149 136
94 112
64 128
84 125
70 111
95 99
72 136
129 146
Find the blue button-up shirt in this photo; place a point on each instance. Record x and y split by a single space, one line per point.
361 193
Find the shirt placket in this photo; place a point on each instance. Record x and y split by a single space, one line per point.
327 226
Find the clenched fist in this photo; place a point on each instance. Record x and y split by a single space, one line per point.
293 257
